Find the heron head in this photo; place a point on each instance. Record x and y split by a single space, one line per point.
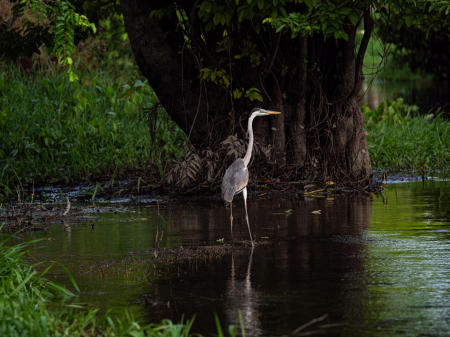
263 112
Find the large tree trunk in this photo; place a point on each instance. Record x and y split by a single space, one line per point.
312 80
195 105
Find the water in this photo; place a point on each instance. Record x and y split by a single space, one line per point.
429 96
376 265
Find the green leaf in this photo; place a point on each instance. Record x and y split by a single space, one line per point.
354 17
408 20
260 4
254 94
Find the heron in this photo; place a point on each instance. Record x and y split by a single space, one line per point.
235 179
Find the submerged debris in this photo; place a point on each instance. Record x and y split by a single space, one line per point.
157 261
37 217
193 253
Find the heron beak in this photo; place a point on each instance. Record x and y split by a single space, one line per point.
271 112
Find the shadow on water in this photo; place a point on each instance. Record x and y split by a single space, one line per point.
376 265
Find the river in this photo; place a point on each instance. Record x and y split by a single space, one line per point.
375 265
430 96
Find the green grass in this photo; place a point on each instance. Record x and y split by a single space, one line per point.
56 131
31 305
400 138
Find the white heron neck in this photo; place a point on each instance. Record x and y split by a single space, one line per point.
248 154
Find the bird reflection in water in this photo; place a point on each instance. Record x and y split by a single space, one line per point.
242 298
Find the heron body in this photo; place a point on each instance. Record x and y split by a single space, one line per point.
235 179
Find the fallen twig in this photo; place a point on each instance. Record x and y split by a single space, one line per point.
67 208
298 331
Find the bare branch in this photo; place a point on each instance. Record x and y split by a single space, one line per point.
368 29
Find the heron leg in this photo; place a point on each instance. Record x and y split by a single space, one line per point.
244 193
231 217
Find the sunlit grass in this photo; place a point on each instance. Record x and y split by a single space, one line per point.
400 138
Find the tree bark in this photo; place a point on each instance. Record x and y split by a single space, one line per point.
297 126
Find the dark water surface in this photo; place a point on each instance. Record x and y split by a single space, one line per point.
376 265
430 96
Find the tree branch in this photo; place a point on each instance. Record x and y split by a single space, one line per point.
368 29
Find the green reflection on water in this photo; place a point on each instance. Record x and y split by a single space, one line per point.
106 256
407 266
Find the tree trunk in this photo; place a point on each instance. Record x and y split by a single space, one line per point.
196 106
313 81
297 129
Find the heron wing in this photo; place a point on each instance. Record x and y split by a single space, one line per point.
234 180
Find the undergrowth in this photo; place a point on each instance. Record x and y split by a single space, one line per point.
57 131
401 138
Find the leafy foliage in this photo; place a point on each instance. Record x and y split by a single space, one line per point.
392 113
66 19
421 35
44 18
108 52
185 171
234 18
326 17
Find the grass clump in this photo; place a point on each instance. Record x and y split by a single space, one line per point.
400 138
31 305
57 131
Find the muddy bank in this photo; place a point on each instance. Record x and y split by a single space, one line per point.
74 204
38 208
135 190
80 204
37 217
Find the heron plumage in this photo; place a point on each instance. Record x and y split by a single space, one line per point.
234 180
